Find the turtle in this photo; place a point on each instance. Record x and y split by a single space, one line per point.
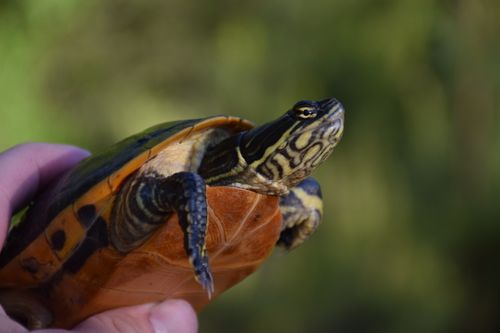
183 209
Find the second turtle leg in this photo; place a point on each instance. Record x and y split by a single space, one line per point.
302 210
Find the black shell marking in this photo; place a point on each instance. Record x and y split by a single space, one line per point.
97 237
57 239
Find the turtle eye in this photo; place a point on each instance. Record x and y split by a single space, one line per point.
305 112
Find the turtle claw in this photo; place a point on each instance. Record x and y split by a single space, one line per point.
204 277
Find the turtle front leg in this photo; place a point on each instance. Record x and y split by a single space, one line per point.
302 210
146 202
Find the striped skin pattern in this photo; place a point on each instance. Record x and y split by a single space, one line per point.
296 155
274 157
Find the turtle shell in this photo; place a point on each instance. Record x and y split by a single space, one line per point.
60 256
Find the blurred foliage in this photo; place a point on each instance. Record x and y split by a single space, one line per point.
410 240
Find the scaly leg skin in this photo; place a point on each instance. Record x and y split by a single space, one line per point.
302 210
148 200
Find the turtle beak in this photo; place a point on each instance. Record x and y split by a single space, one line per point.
334 117
332 107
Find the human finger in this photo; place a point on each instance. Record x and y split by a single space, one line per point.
173 316
27 168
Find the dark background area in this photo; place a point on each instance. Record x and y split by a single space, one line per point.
411 236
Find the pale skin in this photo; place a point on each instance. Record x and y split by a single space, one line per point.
24 171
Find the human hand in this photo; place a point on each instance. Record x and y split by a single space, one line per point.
24 171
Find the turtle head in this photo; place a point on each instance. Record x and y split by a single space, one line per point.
286 150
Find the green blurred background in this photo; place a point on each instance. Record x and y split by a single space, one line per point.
411 236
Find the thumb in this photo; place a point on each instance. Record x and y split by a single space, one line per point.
172 316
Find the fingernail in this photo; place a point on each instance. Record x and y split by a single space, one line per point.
158 325
173 316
